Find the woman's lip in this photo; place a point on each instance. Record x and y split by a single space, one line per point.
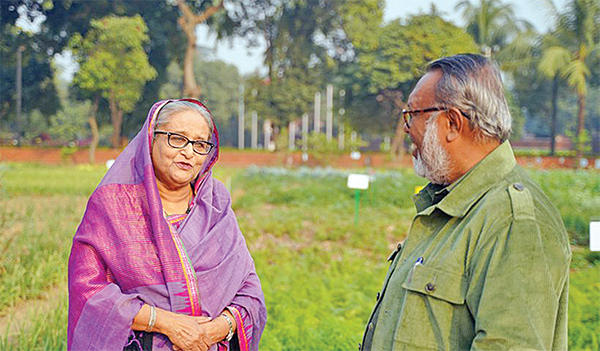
183 165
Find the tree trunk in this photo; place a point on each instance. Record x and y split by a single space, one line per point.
393 99
554 110
116 116
190 88
397 147
580 125
188 22
94 128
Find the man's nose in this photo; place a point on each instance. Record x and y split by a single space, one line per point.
405 126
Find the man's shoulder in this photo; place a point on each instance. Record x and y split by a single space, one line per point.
516 199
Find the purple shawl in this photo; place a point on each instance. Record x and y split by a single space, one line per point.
125 254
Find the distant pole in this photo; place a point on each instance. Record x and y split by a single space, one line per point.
317 125
305 132
254 130
267 129
241 118
292 132
19 88
356 205
342 112
329 118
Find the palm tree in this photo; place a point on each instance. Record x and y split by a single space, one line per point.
491 23
575 48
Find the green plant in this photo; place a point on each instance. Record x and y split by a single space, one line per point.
67 151
319 272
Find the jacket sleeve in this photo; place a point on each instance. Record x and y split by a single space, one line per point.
518 287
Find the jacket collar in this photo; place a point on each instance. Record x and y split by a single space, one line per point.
457 198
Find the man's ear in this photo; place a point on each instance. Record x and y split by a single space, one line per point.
455 124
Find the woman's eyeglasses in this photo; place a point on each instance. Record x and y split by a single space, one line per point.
179 141
408 114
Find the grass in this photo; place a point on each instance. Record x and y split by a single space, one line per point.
319 271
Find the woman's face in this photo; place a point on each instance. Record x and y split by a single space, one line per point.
176 168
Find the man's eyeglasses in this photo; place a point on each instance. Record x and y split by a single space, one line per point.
179 141
408 114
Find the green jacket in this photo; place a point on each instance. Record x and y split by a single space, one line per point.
485 266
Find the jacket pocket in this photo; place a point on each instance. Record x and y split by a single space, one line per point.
432 311
450 287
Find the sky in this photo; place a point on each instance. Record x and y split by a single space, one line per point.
249 60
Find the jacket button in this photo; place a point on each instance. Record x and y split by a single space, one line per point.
519 186
430 287
371 326
378 295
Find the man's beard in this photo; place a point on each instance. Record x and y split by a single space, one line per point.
432 161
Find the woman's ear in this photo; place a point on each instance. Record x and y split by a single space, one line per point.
455 124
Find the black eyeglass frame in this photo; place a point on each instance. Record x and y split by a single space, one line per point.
193 142
406 113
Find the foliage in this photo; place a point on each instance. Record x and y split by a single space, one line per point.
319 272
516 112
584 319
390 61
570 53
306 41
492 23
38 90
112 59
576 196
220 82
70 123
405 47
114 64
35 125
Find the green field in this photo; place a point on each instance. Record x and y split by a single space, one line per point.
319 271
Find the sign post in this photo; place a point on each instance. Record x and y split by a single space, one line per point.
357 182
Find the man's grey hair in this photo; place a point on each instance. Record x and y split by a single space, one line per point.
473 84
175 107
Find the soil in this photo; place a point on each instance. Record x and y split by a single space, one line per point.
245 158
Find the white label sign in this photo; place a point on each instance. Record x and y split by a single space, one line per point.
358 181
595 236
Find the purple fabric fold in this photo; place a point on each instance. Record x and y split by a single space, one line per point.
125 254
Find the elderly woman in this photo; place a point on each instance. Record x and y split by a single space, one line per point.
158 261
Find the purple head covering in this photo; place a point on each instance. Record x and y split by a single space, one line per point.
125 253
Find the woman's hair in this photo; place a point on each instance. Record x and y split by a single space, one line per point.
472 83
174 107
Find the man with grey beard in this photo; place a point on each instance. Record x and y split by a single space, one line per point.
486 261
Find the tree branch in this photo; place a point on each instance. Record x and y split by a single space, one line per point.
193 19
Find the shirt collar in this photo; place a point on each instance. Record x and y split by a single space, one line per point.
457 198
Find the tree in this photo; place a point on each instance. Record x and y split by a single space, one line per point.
113 63
306 41
188 22
391 62
38 89
575 50
491 23
220 81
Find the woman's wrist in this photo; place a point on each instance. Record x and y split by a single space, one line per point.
162 323
217 329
